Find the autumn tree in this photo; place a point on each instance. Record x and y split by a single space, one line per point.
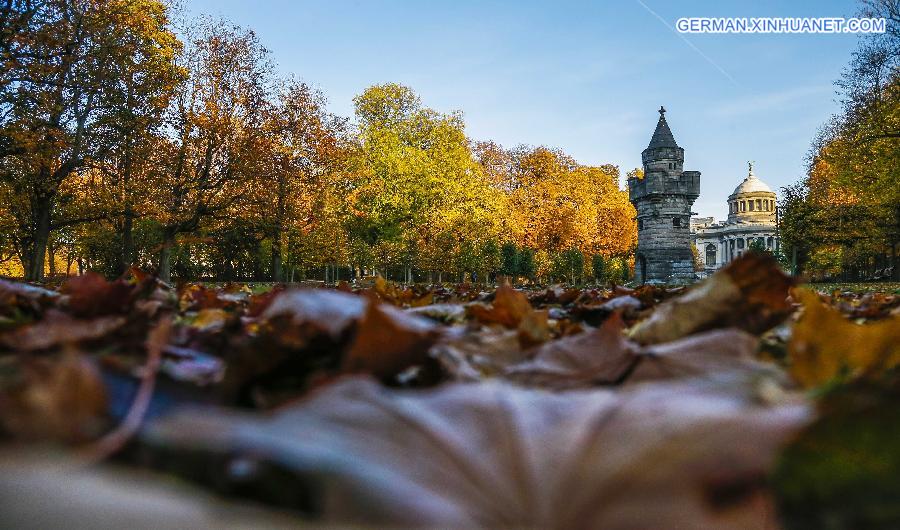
306 149
422 196
63 69
845 215
563 205
215 133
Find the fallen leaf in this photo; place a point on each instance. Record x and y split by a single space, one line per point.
474 355
708 354
210 319
321 311
91 295
388 341
534 329
58 328
825 345
599 356
749 293
508 308
499 456
61 399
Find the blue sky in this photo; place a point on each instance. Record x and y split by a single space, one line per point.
583 76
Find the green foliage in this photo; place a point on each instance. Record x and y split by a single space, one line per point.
509 259
599 268
527 266
568 265
757 245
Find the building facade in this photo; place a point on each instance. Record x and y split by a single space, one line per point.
752 217
663 200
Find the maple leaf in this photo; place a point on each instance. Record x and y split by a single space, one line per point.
389 341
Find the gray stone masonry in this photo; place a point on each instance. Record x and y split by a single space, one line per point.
663 200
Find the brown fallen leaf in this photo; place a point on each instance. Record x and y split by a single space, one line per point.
599 356
388 341
473 355
58 328
60 399
15 296
708 354
749 293
317 311
90 294
685 455
825 345
534 328
210 319
508 308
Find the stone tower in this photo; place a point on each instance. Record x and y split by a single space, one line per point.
663 200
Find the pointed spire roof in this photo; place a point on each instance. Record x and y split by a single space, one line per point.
662 136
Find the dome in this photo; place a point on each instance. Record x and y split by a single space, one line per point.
751 184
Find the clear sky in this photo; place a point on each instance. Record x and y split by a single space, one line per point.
583 76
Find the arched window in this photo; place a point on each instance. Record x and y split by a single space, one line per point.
676 222
710 255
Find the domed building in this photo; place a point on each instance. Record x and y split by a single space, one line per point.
751 217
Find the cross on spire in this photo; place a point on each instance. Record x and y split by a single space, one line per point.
662 110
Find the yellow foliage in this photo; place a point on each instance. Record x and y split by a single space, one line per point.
825 345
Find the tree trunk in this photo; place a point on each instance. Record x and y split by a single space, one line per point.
126 257
40 238
51 258
276 259
165 257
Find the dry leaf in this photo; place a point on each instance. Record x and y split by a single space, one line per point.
58 328
388 341
508 308
599 356
57 399
498 456
705 354
749 293
825 345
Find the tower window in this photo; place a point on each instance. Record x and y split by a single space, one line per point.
676 222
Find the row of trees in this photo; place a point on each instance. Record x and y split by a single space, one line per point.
843 220
124 142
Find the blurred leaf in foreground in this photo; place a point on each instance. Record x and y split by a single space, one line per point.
825 345
843 471
692 454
